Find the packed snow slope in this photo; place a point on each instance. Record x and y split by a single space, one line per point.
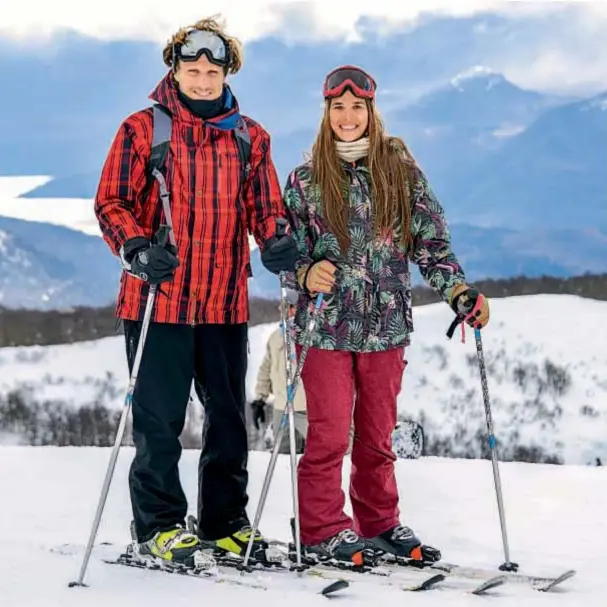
555 515
545 357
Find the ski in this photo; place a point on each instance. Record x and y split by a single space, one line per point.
329 572
400 579
333 574
393 567
215 574
182 570
489 584
427 584
542 583
334 587
405 574
549 584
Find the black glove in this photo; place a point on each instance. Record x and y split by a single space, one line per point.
259 413
280 253
151 262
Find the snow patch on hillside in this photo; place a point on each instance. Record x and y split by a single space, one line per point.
545 358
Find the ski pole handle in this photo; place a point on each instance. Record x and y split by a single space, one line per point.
468 309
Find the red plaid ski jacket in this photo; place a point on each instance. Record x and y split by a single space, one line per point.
211 223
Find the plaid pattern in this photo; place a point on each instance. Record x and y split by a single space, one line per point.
210 219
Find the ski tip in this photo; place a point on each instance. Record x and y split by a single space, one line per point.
335 586
427 584
556 581
490 584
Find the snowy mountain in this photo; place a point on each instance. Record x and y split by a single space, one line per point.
478 98
476 73
455 128
46 249
547 386
48 266
44 266
550 175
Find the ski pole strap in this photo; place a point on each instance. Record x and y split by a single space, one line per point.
469 310
459 319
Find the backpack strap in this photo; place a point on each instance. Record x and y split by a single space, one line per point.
162 126
243 141
161 138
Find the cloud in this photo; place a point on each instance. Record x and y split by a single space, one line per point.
568 57
544 44
33 22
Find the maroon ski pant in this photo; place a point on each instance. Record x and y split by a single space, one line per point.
340 387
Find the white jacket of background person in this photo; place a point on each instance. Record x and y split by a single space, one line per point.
272 376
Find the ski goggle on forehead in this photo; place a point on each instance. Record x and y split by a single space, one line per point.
349 76
199 42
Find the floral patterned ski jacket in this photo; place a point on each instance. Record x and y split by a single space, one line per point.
370 309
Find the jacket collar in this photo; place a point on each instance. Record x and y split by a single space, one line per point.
165 94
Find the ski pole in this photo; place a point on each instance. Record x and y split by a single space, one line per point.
290 409
287 417
119 435
165 234
508 565
468 310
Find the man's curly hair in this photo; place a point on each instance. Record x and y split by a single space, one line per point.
210 24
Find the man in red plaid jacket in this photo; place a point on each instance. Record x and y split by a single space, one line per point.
198 328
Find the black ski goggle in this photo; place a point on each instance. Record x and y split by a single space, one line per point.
202 42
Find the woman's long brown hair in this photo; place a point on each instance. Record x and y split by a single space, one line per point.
392 176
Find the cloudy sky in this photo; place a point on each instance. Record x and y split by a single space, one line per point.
251 19
568 54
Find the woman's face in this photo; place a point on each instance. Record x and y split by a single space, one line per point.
348 116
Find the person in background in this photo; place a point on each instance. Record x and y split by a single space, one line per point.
271 381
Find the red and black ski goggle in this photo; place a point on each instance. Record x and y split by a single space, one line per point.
199 42
352 77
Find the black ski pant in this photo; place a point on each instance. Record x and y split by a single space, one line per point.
215 356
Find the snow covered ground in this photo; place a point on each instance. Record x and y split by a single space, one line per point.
555 517
545 355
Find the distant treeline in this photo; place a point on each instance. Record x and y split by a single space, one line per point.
31 327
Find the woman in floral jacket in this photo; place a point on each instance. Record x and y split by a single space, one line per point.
360 209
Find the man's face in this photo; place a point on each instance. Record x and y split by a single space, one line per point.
200 79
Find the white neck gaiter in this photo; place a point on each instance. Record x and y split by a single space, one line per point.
351 151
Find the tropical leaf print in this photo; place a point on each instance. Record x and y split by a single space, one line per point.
370 310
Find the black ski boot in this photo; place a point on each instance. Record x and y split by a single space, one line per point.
401 542
345 548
